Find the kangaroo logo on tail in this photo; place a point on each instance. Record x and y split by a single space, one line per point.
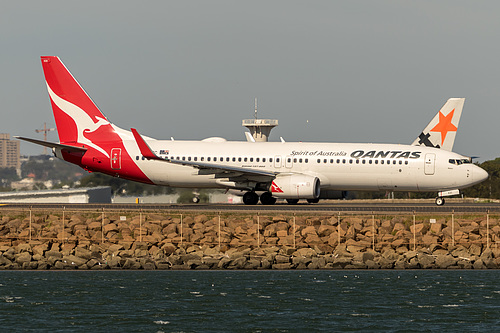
70 100
84 124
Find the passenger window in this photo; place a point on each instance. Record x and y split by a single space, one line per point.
343 161
271 160
319 161
137 158
234 159
245 159
189 158
251 159
376 161
382 162
300 160
196 158
394 162
277 160
257 159
183 158
202 158
306 160
264 159
208 159
400 162
357 161
364 161
406 162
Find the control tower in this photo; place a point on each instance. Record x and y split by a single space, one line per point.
260 128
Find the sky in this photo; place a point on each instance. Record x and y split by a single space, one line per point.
329 71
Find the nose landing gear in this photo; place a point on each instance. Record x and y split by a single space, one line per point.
440 201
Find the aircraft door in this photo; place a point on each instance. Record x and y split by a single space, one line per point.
116 158
429 165
289 162
277 161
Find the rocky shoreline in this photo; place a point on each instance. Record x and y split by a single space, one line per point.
90 241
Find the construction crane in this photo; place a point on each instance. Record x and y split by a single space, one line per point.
45 130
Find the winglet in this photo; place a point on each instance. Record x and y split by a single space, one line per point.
144 147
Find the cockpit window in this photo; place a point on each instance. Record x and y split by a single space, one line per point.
459 161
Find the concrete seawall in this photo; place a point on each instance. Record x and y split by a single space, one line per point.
157 240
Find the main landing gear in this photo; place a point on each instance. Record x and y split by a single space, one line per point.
252 198
267 198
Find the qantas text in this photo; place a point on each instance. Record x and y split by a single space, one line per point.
385 154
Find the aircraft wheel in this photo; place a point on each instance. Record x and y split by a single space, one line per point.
196 199
250 198
313 200
267 198
440 201
292 201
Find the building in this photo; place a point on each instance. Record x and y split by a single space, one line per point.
9 152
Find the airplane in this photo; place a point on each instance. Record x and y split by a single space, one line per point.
287 170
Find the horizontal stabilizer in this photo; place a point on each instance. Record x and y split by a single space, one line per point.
53 145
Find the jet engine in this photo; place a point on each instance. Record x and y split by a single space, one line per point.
296 186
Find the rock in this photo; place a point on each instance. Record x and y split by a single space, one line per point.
341 262
23 257
73 260
282 266
131 264
479 264
281 259
425 261
370 264
224 263
305 252
83 253
317 263
475 249
419 228
464 264
384 263
238 263
252 264
445 261
265 264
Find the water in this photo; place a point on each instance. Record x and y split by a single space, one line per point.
249 301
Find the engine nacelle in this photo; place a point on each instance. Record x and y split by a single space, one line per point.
296 186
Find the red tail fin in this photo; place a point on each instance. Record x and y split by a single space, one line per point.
74 112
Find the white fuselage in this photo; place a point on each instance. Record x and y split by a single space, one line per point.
339 166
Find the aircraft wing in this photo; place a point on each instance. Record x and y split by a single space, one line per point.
53 144
205 168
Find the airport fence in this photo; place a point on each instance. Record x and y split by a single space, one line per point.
324 232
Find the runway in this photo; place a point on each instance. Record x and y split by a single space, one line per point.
326 207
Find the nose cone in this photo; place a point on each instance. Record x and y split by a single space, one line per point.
479 175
